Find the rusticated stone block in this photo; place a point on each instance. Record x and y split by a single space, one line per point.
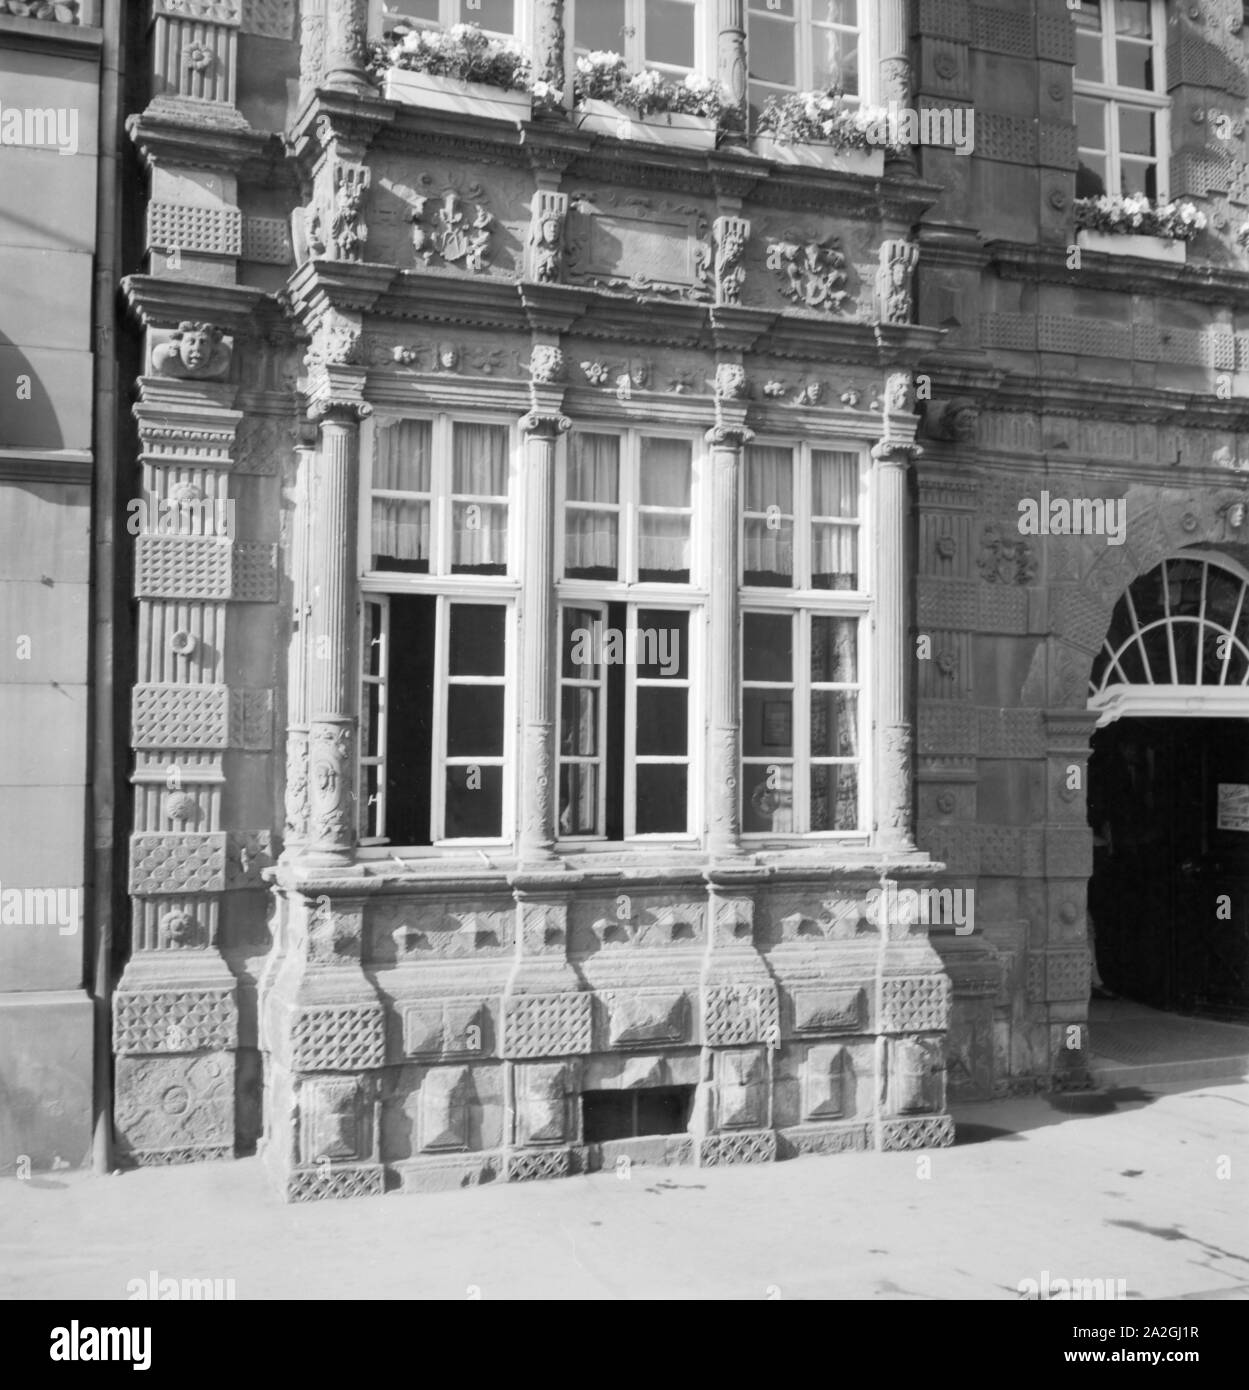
446 1027
643 1018
1067 975
742 1098
823 1081
547 1025
828 1010
333 1121
916 1075
182 567
446 1096
341 1037
823 1139
177 1109
542 1103
191 1020
255 572
177 863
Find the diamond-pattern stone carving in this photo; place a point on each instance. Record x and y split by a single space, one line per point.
267 240
182 567
752 1147
324 1181
251 719
916 1004
190 1020
528 1165
175 1109
188 227
928 1132
340 1037
547 1025
177 863
179 716
1067 975
734 1014
255 572
269 19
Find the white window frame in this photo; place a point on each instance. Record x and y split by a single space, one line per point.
804 21
381 18
633 47
688 598
804 603
446 588
1115 96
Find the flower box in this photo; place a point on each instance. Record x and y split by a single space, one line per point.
661 128
451 94
811 155
1148 248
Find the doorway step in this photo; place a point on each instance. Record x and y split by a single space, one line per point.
1134 1045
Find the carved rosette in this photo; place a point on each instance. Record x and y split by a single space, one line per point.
546 364
730 381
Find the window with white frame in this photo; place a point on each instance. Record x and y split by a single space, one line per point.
808 45
436 644
499 18
669 36
804 618
1121 102
628 618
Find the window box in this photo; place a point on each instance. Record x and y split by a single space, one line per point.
451 94
662 128
870 162
1147 248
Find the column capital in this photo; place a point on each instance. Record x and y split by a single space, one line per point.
545 423
898 452
727 436
338 408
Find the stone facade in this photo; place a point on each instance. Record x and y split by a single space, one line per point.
325 267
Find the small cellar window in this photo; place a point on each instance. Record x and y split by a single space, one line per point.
634 1114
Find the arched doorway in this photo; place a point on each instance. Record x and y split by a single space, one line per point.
1168 790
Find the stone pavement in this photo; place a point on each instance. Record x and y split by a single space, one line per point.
1146 1185
1134 1045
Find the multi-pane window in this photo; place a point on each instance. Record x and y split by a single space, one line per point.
1121 103
626 741
496 17
801 663
436 639
806 45
666 35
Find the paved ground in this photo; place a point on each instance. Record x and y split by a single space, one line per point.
1134 1045
1124 1184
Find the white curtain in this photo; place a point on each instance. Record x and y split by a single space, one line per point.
834 492
591 537
664 539
479 467
401 462
769 483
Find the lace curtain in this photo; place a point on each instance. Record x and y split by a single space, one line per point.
479 464
401 463
591 537
769 482
835 492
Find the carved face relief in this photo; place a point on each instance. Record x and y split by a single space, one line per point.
448 356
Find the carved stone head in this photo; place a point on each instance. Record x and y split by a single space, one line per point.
448 356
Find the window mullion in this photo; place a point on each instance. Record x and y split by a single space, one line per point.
630 733
438 733
801 780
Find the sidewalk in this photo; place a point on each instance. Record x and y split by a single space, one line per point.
1105 1185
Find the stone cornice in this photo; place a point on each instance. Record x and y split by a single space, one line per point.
46 465
355 120
43 36
951 247
1206 284
962 372
158 302
169 134
1108 400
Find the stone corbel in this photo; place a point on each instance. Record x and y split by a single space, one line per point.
730 235
545 250
952 421
895 299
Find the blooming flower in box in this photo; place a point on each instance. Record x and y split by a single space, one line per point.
604 76
463 52
822 118
1135 215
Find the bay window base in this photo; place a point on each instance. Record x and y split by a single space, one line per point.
425 1031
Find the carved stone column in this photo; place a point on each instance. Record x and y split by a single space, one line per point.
295 833
894 818
549 44
539 771
895 59
727 441
731 65
332 673
346 24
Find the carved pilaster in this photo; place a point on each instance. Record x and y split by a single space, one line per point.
548 42
296 806
727 440
731 64
195 57
539 772
894 816
895 58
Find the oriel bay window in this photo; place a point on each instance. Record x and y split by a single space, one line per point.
804 618
670 36
499 18
807 45
438 643
628 622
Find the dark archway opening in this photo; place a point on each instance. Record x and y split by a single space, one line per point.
1168 802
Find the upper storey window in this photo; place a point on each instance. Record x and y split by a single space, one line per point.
496 17
666 35
1120 98
806 45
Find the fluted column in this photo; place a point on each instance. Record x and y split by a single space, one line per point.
724 726
295 834
539 771
731 63
332 673
894 817
345 45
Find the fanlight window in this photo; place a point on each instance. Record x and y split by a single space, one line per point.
1184 624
